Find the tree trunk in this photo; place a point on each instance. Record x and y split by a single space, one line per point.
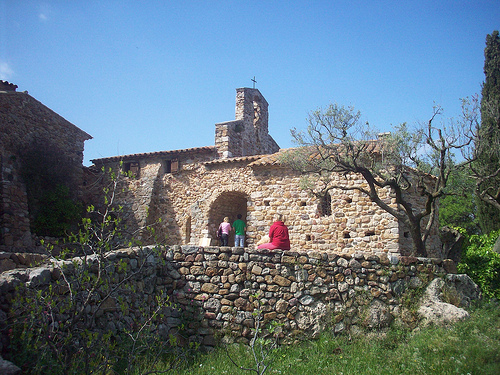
418 243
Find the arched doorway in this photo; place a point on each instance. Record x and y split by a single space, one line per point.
229 204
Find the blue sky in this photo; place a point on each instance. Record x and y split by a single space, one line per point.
143 76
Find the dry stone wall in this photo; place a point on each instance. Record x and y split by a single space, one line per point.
217 290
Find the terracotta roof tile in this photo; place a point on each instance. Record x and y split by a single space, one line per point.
195 150
233 160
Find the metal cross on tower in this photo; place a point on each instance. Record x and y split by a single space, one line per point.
254 81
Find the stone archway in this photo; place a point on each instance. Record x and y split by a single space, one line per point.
230 203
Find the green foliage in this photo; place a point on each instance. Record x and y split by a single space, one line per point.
88 320
58 213
488 149
481 263
459 209
49 176
471 346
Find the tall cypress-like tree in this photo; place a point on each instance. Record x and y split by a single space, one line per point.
488 162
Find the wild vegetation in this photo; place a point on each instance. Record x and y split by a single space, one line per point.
54 328
468 347
335 141
47 173
481 263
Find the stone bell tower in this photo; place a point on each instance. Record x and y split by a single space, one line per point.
248 134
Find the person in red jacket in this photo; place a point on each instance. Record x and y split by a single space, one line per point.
278 235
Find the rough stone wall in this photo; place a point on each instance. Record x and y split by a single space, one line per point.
14 218
191 204
25 121
9 261
214 289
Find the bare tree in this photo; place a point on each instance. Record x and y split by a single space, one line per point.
408 162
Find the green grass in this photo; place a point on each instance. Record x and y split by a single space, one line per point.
468 347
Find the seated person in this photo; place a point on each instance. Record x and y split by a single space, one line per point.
278 235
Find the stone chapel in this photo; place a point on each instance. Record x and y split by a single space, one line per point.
188 192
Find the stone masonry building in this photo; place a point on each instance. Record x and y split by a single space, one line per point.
188 192
30 129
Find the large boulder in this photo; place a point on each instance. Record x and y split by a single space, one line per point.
378 315
496 246
452 242
8 368
444 299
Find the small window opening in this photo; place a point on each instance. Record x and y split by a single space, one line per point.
325 205
370 233
308 237
131 168
347 235
266 203
349 200
172 166
187 237
302 204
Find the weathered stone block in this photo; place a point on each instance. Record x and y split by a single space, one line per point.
209 288
281 281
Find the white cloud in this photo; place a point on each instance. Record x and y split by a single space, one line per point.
6 71
44 13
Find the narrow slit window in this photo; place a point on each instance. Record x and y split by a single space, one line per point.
325 205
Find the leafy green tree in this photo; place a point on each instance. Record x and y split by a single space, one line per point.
459 209
486 167
481 263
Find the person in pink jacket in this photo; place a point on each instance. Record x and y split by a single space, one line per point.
278 235
223 231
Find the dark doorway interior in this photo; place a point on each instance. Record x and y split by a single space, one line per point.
227 204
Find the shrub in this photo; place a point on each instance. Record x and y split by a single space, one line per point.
51 188
481 263
88 320
58 213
